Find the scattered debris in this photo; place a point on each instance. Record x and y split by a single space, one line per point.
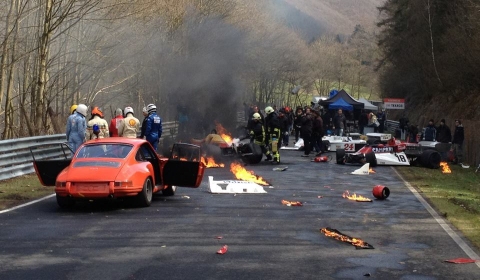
322 159
367 274
242 174
291 203
380 192
219 237
461 260
234 186
358 243
364 170
186 196
280 168
320 196
223 250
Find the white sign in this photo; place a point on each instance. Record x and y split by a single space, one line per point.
394 103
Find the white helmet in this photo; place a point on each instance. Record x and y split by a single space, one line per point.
82 109
151 108
269 110
128 110
257 116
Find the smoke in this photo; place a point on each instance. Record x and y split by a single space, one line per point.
201 68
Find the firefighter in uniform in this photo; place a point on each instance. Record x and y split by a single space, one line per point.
272 125
257 134
130 125
98 121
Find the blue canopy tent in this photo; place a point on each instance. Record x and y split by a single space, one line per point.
340 104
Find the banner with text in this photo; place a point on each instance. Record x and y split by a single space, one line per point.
394 103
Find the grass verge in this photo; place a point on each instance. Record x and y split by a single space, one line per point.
21 189
456 196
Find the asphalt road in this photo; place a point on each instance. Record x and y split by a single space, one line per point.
176 238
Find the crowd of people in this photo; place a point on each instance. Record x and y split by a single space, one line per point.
124 124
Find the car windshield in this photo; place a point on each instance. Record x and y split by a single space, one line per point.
104 151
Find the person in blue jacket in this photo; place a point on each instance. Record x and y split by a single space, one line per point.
153 131
76 127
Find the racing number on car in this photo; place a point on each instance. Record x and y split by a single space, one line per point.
349 147
401 158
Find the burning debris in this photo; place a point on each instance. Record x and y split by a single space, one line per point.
358 243
291 203
210 163
355 197
242 174
445 168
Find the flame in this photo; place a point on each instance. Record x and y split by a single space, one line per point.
345 238
210 163
223 133
291 203
445 167
355 197
371 170
245 175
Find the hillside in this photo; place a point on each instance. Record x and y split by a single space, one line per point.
316 17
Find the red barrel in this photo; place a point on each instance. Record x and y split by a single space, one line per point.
380 192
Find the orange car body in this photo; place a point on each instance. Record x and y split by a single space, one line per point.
119 167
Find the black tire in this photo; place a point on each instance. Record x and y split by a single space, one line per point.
431 159
251 153
144 198
371 158
65 201
169 191
340 156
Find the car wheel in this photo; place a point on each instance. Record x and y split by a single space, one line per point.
251 153
431 159
65 201
169 191
371 159
144 198
340 156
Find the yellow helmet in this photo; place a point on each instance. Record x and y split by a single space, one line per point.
257 116
73 108
269 110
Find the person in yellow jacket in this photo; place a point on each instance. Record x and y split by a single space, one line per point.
97 121
130 125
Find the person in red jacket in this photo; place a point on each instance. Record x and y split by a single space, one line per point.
115 123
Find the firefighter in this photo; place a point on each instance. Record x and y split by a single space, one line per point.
130 125
153 130
272 126
76 126
115 123
257 134
97 119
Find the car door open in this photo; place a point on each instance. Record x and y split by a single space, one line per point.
49 161
184 167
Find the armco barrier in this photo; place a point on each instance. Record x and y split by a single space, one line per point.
16 158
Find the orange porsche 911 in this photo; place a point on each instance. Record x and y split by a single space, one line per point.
119 167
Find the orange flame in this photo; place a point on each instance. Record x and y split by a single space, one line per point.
345 238
223 133
355 197
245 175
291 203
210 163
371 170
445 167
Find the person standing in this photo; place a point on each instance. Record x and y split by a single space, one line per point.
130 126
339 123
257 134
76 127
317 133
153 130
306 132
362 121
97 119
444 135
297 123
429 132
272 125
115 123
381 117
457 142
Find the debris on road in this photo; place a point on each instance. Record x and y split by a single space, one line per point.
291 203
358 243
461 260
223 250
355 197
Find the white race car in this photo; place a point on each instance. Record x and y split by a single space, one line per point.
350 143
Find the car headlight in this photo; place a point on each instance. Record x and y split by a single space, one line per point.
59 184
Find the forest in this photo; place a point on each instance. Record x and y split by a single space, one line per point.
209 56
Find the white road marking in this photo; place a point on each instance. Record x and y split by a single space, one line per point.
26 204
464 246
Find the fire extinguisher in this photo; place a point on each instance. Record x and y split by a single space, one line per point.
322 159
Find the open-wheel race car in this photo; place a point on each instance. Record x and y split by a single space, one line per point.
389 151
119 167
350 143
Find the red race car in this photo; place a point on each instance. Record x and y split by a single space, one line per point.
120 167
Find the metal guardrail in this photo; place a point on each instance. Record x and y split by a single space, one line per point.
16 158
391 126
